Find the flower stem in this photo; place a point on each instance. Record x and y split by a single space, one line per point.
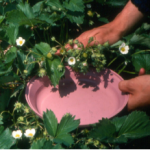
121 69
112 61
58 43
129 72
140 52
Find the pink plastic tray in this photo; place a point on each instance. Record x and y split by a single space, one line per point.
89 97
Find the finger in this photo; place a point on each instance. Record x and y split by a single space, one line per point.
58 52
142 71
126 86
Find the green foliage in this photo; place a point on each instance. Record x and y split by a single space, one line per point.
43 48
105 131
67 124
75 17
60 132
45 17
37 22
141 60
17 90
102 19
55 4
4 99
115 3
24 32
140 40
65 139
120 130
6 139
5 68
52 70
118 122
10 78
21 57
12 33
1 128
1 122
74 5
37 8
44 144
26 8
1 19
16 17
136 125
50 122
10 55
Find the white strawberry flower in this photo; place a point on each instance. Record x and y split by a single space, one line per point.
124 49
29 133
71 61
20 41
17 134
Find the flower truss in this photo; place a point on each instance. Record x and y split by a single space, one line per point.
29 132
124 49
17 134
20 41
71 61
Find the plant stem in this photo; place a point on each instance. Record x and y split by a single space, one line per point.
5 112
58 43
119 66
48 37
38 34
45 36
33 62
112 61
140 52
36 53
129 72
121 69
17 71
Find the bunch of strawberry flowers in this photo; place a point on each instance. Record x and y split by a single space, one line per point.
28 133
78 57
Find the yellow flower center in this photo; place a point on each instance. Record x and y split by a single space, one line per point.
123 49
71 60
17 135
20 42
30 134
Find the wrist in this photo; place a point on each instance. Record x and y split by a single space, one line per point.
127 19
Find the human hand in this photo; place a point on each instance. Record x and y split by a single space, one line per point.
102 34
139 90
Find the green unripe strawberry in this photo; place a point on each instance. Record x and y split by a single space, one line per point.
25 71
60 67
84 55
54 49
41 72
49 55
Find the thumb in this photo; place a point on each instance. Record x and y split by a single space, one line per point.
142 71
124 86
